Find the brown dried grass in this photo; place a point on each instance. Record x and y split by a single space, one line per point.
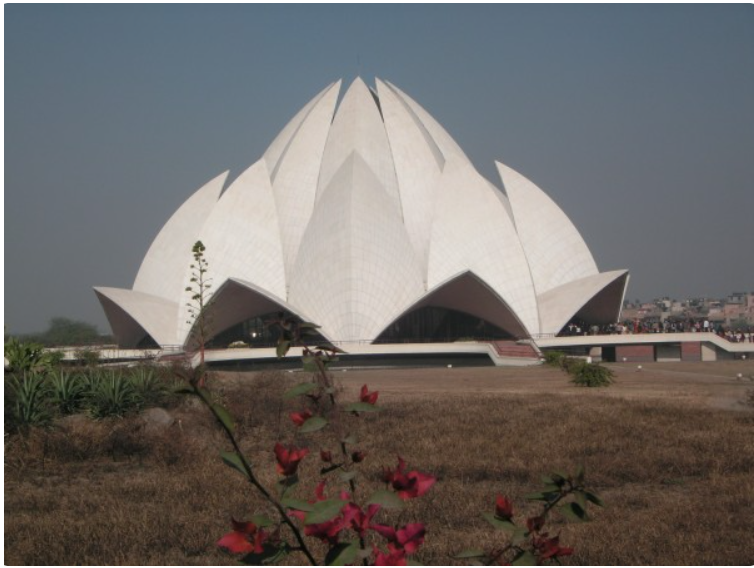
676 478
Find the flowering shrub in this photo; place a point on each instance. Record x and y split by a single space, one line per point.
351 529
530 544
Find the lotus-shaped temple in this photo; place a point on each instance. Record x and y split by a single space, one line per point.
366 217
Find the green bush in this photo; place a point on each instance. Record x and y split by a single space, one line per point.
553 358
25 356
89 357
582 373
572 365
591 375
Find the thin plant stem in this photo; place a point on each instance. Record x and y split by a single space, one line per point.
256 483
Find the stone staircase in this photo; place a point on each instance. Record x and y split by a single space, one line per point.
514 349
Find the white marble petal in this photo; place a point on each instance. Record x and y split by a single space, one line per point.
472 231
557 254
558 305
356 270
358 127
163 268
133 314
418 165
278 147
297 173
446 144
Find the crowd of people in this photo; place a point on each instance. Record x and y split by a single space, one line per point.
580 327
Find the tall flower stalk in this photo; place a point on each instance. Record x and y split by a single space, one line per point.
200 294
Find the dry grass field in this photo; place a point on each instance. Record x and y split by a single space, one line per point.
669 448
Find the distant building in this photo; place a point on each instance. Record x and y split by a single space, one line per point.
367 218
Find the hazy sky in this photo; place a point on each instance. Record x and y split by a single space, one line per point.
637 120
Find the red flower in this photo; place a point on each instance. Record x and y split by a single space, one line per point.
411 537
288 458
368 397
396 557
240 540
325 456
329 531
535 524
300 417
545 548
358 519
408 539
408 485
358 457
503 508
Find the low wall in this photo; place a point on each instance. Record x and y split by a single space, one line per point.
634 353
691 351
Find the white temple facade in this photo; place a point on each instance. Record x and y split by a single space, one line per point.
359 213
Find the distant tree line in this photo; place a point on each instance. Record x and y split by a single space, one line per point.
63 331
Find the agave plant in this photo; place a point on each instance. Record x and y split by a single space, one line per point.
147 387
110 393
30 407
67 391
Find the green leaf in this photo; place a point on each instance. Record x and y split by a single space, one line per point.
184 390
579 476
387 499
232 459
282 349
308 325
342 554
580 498
347 475
519 536
261 521
524 558
323 511
498 523
470 553
361 407
310 364
287 483
299 389
296 504
223 416
270 555
574 512
591 497
537 497
559 477
313 424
